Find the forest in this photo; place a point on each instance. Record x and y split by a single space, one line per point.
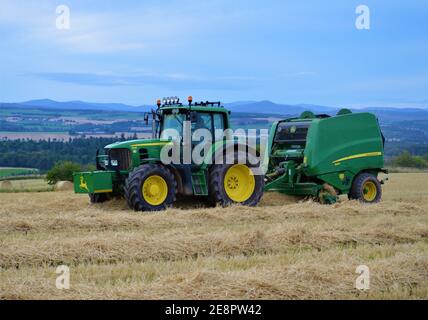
44 154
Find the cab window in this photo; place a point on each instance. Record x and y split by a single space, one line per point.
218 125
174 123
202 121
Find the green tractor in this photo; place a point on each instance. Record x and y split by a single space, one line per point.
322 157
313 155
135 169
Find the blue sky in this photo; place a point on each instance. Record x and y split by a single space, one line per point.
134 52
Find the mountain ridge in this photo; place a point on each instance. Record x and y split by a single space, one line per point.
262 107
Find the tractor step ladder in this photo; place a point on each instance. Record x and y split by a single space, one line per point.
199 183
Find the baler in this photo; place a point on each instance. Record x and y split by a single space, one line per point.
323 156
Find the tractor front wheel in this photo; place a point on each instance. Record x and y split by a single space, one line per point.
235 183
366 188
150 187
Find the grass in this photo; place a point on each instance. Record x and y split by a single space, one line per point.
27 185
393 169
282 249
10 172
25 177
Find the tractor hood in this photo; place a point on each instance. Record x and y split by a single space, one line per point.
138 143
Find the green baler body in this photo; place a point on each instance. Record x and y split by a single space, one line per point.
335 151
351 142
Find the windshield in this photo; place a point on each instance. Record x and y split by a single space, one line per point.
172 125
292 131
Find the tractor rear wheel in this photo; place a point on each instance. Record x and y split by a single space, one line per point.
235 183
366 188
150 187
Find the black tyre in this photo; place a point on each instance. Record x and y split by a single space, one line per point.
234 183
366 188
150 187
99 197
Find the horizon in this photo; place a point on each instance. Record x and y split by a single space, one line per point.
243 102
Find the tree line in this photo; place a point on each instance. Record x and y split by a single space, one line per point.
406 160
43 154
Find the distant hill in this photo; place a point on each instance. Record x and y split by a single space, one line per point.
397 114
252 107
404 128
384 114
265 107
77 105
274 108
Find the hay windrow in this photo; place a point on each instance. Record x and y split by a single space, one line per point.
63 186
6 185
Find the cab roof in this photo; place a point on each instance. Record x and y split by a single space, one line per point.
203 106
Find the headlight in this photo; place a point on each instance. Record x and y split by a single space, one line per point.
114 163
105 162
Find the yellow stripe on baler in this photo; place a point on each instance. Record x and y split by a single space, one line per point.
356 156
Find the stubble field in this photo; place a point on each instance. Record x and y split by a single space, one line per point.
282 249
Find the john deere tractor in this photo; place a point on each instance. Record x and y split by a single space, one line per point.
135 169
322 156
316 156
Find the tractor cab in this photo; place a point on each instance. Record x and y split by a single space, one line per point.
172 114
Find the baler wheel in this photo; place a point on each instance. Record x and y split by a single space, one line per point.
366 188
150 187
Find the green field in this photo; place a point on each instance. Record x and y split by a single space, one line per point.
6 172
25 185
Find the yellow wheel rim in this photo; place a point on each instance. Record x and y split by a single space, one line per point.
369 191
154 190
239 183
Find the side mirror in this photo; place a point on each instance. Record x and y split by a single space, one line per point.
146 118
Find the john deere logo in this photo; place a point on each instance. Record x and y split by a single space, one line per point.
83 185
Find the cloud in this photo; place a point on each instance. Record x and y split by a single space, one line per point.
90 31
167 81
107 29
